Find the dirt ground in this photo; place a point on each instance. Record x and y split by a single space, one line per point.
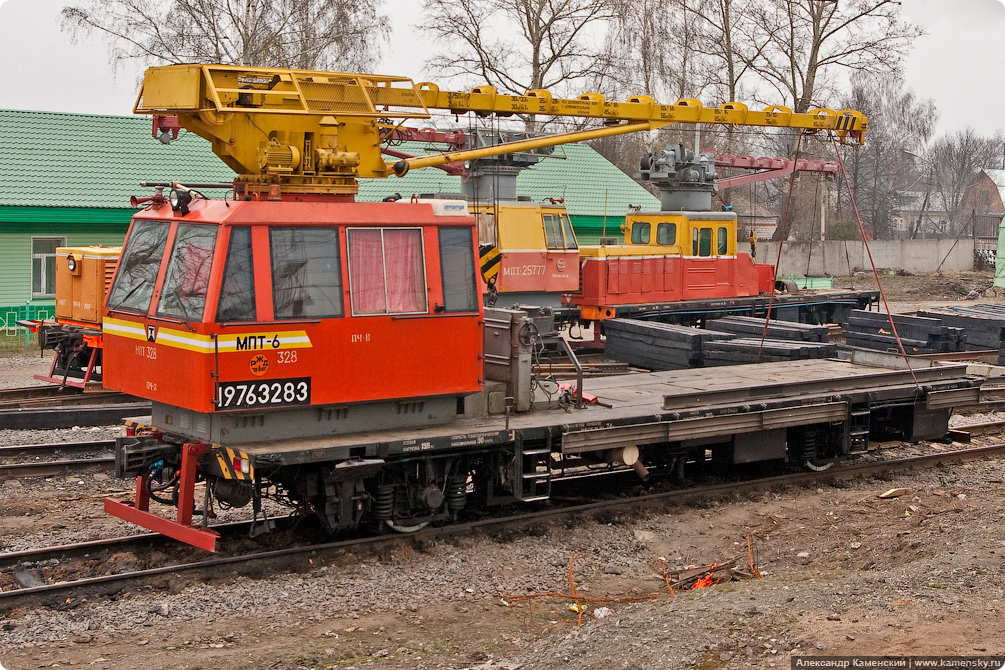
844 572
908 293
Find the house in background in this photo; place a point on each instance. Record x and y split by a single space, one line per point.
931 217
65 180
983 206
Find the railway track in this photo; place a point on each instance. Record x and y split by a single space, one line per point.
46 460
51 593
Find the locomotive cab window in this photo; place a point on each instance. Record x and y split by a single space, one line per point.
237 294
552 237
722 241
570 235
457 268
640 233
666 233
187 279
306 272
558 233
701 241
387 274
138 267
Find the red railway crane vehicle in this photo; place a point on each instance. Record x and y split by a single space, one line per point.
335 355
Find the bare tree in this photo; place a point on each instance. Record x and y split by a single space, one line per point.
957 157
304 34
891 170
518 45
810 40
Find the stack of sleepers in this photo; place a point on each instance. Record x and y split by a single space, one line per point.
985 324
657 346
752 350
777 330
918 334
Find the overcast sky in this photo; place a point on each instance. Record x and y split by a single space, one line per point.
957 63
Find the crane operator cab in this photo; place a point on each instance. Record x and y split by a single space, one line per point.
231 311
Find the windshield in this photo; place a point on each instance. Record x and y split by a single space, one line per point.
187 278
138 267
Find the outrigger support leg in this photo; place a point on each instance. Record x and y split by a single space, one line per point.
138 512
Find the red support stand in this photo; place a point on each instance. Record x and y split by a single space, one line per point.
138 511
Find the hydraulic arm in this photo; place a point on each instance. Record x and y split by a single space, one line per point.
316 132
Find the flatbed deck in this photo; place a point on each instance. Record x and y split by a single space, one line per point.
814 306
783 394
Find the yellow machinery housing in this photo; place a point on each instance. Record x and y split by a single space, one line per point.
83 275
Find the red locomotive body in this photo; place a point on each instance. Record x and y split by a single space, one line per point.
257 305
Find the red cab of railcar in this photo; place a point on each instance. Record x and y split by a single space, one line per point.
258 305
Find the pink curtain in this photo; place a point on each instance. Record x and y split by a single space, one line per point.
366 272
406 285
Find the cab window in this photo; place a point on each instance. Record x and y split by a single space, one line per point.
722 241
457 270
704 241
701 241
552 237
187 280
386 271
237 294
306 272
138 267
666 233
640 233
570 236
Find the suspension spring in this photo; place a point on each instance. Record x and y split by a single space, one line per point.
456 492
809 445
383 505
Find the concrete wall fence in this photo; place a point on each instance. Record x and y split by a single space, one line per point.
842 258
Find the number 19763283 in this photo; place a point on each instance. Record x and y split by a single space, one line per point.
260 394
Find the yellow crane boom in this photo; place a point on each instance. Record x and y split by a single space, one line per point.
316 132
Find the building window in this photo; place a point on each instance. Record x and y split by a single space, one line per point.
43 265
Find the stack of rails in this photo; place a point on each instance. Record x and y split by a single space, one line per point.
776 330
984 324
657 346
753 350
921 334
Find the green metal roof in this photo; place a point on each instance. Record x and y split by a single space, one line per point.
55 159
590 184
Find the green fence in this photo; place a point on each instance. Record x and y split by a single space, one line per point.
32 311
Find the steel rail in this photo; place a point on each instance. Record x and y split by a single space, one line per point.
57 448
523 520
52 468
12 559
46 418
98 453
52 395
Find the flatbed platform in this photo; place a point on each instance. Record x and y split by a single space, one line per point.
815 306
672 404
